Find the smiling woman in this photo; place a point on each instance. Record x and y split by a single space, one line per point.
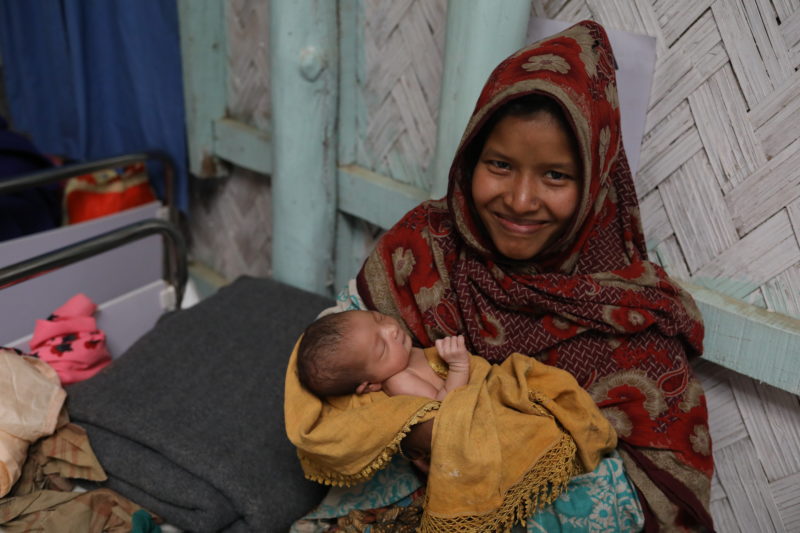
525 186
537 249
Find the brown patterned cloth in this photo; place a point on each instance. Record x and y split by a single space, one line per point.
591 303
389 519
43 500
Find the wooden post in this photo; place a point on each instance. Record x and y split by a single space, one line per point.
202 29
350 238
480 34
304 78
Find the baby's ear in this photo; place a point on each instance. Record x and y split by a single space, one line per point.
366 387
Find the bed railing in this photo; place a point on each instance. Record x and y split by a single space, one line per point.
67 171
175 245
176 263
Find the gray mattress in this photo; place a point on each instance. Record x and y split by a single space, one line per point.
189 421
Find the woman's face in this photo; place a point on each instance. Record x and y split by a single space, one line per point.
526 184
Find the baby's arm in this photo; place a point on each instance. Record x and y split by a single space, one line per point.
455 354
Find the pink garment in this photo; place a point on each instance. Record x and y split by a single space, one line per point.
30 399
70 342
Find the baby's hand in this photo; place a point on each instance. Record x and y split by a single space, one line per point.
452 349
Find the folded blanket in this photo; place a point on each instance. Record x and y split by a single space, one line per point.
188 423
503 446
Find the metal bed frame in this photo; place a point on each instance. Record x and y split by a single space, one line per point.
176 270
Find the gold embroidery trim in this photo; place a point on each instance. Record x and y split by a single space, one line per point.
540 486
322 475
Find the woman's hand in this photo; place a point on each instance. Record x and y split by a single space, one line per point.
417 445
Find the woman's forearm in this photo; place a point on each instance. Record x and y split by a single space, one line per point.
417 444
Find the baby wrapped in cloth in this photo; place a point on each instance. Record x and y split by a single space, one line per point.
503 446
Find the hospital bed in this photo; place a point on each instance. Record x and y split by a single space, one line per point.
188 421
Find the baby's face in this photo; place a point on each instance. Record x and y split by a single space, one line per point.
379 342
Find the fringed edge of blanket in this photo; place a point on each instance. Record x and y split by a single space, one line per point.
315 472
540 486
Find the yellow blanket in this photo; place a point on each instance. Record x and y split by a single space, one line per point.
503 446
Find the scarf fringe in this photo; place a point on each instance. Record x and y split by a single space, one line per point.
319 474
540 486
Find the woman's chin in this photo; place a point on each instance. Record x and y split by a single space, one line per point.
520 253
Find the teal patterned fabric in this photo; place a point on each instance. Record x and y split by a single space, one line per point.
603 501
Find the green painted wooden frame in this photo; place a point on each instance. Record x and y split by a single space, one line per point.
318 192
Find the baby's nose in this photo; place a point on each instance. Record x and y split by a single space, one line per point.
393 330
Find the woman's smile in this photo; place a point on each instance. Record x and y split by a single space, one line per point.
519 225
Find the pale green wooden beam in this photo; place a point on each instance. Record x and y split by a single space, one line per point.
376 198
353 245
351 65
758 343
203 59
480 34
304 80
243 145
351 236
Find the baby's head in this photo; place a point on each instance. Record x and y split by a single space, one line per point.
351 352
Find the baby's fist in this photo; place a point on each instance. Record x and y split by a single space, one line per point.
452 349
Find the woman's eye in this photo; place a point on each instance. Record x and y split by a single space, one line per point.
556 175
500 165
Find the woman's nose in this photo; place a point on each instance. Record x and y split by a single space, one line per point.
522 194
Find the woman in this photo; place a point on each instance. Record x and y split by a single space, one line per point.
538 249
551 262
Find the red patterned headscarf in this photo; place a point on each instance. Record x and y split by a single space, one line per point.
591 303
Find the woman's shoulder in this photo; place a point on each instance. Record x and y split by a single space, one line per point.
428 213
428 222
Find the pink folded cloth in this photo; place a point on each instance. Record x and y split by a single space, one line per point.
70 342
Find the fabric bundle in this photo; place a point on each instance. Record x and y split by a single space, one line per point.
480 479
70 342
30 399
106 192
43 499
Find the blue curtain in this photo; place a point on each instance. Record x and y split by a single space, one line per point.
96 78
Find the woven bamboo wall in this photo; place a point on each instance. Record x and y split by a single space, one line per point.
403 55
231 217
